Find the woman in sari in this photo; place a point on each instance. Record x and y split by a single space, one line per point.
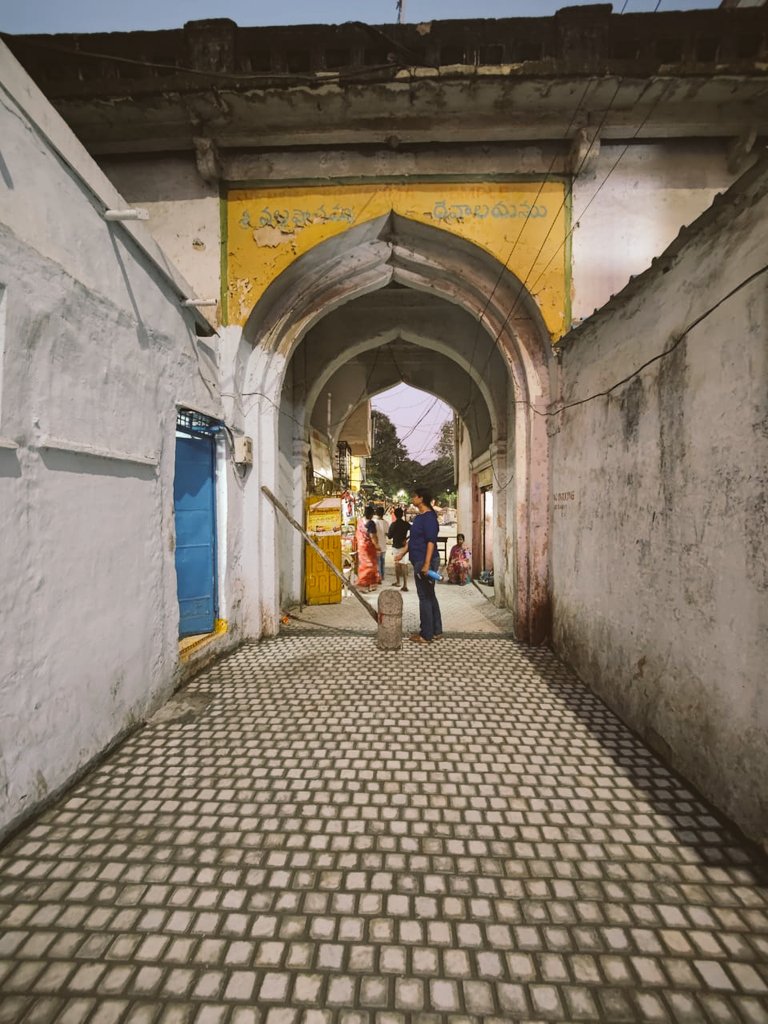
460 562
367 551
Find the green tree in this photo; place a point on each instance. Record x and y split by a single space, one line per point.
446 440
438 475
389 466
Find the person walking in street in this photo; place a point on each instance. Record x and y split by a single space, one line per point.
367 551
398 533
422 551
381 538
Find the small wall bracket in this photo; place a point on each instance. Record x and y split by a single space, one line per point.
136 213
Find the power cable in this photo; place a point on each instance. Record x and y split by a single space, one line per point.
512 250
547 175
630 376
262 76
660 355
568 234
368 201
599 189
523 283
405 437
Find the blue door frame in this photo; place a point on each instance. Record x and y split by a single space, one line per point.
195 508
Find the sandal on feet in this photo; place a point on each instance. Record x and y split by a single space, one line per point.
417 638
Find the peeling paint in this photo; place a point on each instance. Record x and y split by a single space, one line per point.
291 221
270 237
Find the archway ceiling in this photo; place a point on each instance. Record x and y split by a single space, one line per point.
390 249
379 369
433 327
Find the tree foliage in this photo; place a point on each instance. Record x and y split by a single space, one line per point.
390 469
446 441
437 476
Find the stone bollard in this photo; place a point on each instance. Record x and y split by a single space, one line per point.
390 634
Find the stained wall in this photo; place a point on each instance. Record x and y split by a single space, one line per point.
96 353
658 542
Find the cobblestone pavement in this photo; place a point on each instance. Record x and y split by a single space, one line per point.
459 834
465 612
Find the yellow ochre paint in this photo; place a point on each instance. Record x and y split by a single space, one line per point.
190 644
523 223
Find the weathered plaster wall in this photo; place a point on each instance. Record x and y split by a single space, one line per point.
659 556
654 191
184 214
464 492
97 353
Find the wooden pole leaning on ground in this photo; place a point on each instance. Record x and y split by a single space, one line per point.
284 511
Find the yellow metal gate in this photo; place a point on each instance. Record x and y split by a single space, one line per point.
324 526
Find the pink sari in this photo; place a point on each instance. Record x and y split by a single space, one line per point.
460 565
367 557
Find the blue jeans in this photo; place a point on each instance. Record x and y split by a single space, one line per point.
431 621
382 556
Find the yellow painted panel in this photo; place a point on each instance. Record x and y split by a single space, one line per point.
522 224
321 586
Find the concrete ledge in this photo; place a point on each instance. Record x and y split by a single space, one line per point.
58 445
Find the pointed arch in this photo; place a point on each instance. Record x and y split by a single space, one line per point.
394 249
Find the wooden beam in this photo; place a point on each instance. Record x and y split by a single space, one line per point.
284 512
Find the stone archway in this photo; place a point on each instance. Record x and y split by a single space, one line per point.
358 262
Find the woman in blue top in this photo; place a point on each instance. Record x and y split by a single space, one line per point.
421 546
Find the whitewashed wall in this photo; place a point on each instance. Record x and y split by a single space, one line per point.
96 354
659 539
184 213
464 494
632 206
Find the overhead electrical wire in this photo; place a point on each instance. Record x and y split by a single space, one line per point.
319 78
510 314
549 413
569 191
505 266
524 286
660 355
597 190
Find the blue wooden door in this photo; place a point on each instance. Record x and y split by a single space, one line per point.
193 498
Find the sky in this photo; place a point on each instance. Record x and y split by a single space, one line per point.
418 417
31 16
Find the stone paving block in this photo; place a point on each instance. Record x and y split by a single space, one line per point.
211 1014
444 995
718 1009
754 1011
478 997
409 994
144 1013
